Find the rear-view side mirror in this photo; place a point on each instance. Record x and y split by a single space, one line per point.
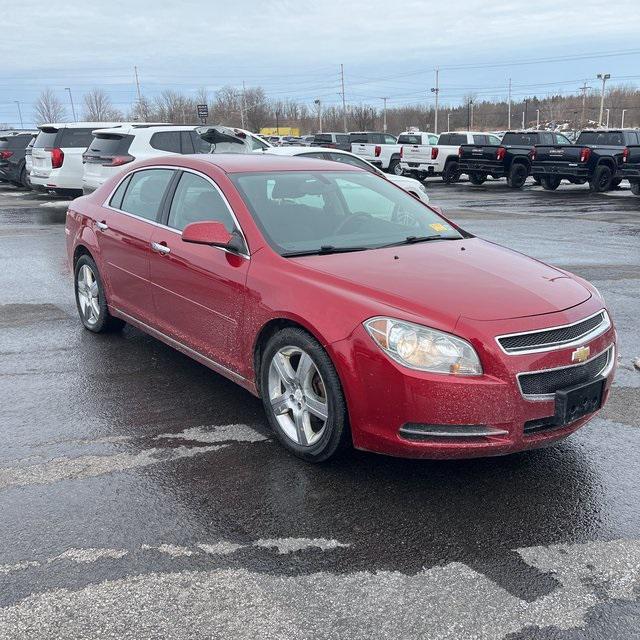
209 232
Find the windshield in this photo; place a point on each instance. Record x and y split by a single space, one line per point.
323 211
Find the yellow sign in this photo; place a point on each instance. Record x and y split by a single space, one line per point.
436 226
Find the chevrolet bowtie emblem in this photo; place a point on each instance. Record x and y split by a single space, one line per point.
580 354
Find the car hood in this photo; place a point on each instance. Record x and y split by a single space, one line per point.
449 279
404 182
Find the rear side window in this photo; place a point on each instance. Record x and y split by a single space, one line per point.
145 191
200 145
166 141
389 139
631 137
453 139
197 200
186 141
116 198
46 139
75 138
257 144
110 144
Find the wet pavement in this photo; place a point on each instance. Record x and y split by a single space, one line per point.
143 496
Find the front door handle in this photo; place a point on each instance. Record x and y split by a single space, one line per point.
102 226
160 248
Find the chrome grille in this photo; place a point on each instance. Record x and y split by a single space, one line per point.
556 337
547 382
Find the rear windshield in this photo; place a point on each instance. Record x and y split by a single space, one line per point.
409 139
452 139
110 144
364 137
601 137
15 142
75 138
46 139
520 138
322 137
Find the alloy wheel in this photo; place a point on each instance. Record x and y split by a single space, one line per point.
88 292
298 396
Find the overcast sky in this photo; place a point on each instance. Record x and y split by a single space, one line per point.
294 48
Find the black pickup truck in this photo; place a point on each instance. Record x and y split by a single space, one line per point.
596 158
631 167
510 159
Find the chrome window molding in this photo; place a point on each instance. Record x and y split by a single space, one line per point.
107 200
594 333
604 372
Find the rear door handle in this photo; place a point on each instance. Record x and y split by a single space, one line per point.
102 226
160 248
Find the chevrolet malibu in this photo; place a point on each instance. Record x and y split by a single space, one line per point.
358 314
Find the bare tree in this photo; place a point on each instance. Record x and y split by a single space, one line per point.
48 108
98 107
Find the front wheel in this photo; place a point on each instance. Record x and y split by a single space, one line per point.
550 183
395 168
302 396
517 175
451 172
90 298
601 179
477 178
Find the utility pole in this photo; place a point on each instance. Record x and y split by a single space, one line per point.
509 119
537 118
436 91
344 104
525 115
523 120
469 116
244 105
73 110
622 122
22 125
317 102
604 77
607 110
584 102
143 115
448 122
384 114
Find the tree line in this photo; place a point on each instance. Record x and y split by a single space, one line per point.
252 109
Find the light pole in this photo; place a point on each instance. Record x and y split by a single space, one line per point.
607 110
73 109
448 122
604 77
384 114
319 105
436 90
622 122
537 118
469 114
22 125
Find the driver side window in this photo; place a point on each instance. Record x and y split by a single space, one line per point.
196 200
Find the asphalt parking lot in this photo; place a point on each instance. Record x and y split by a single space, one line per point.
142 495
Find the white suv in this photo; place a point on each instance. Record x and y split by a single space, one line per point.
111 148
57 155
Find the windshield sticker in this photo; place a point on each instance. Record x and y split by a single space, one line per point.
436 226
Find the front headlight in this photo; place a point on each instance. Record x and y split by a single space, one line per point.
418 347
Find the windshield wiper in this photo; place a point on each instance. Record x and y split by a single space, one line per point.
416 239
324 249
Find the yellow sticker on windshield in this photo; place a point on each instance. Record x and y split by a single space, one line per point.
436 226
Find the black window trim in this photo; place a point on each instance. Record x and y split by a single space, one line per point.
170 190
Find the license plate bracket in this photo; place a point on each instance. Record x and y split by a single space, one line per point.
578 401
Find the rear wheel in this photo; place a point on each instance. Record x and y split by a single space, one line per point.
90 298
451 172
395 168
601 179
517 175
24 178
635 188
302 396
477 178
550 183
537 180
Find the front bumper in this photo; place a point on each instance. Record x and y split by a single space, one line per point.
386 400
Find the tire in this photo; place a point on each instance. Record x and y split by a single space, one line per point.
537 180
615 182
635 188
24 178
477 178
394 167
601 179
550 183
517 175
90 299
308 435
451 173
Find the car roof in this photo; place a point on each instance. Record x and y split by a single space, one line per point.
131 127
78 125
252 162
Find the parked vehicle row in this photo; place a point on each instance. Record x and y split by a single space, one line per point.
13 151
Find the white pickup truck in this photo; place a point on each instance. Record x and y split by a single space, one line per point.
424 160
383 150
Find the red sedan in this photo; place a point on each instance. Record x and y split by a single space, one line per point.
357 313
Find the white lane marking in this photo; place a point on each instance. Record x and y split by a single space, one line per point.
442 603
18 566
289 545
82 467
86 555
221 433
172 550
222 548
